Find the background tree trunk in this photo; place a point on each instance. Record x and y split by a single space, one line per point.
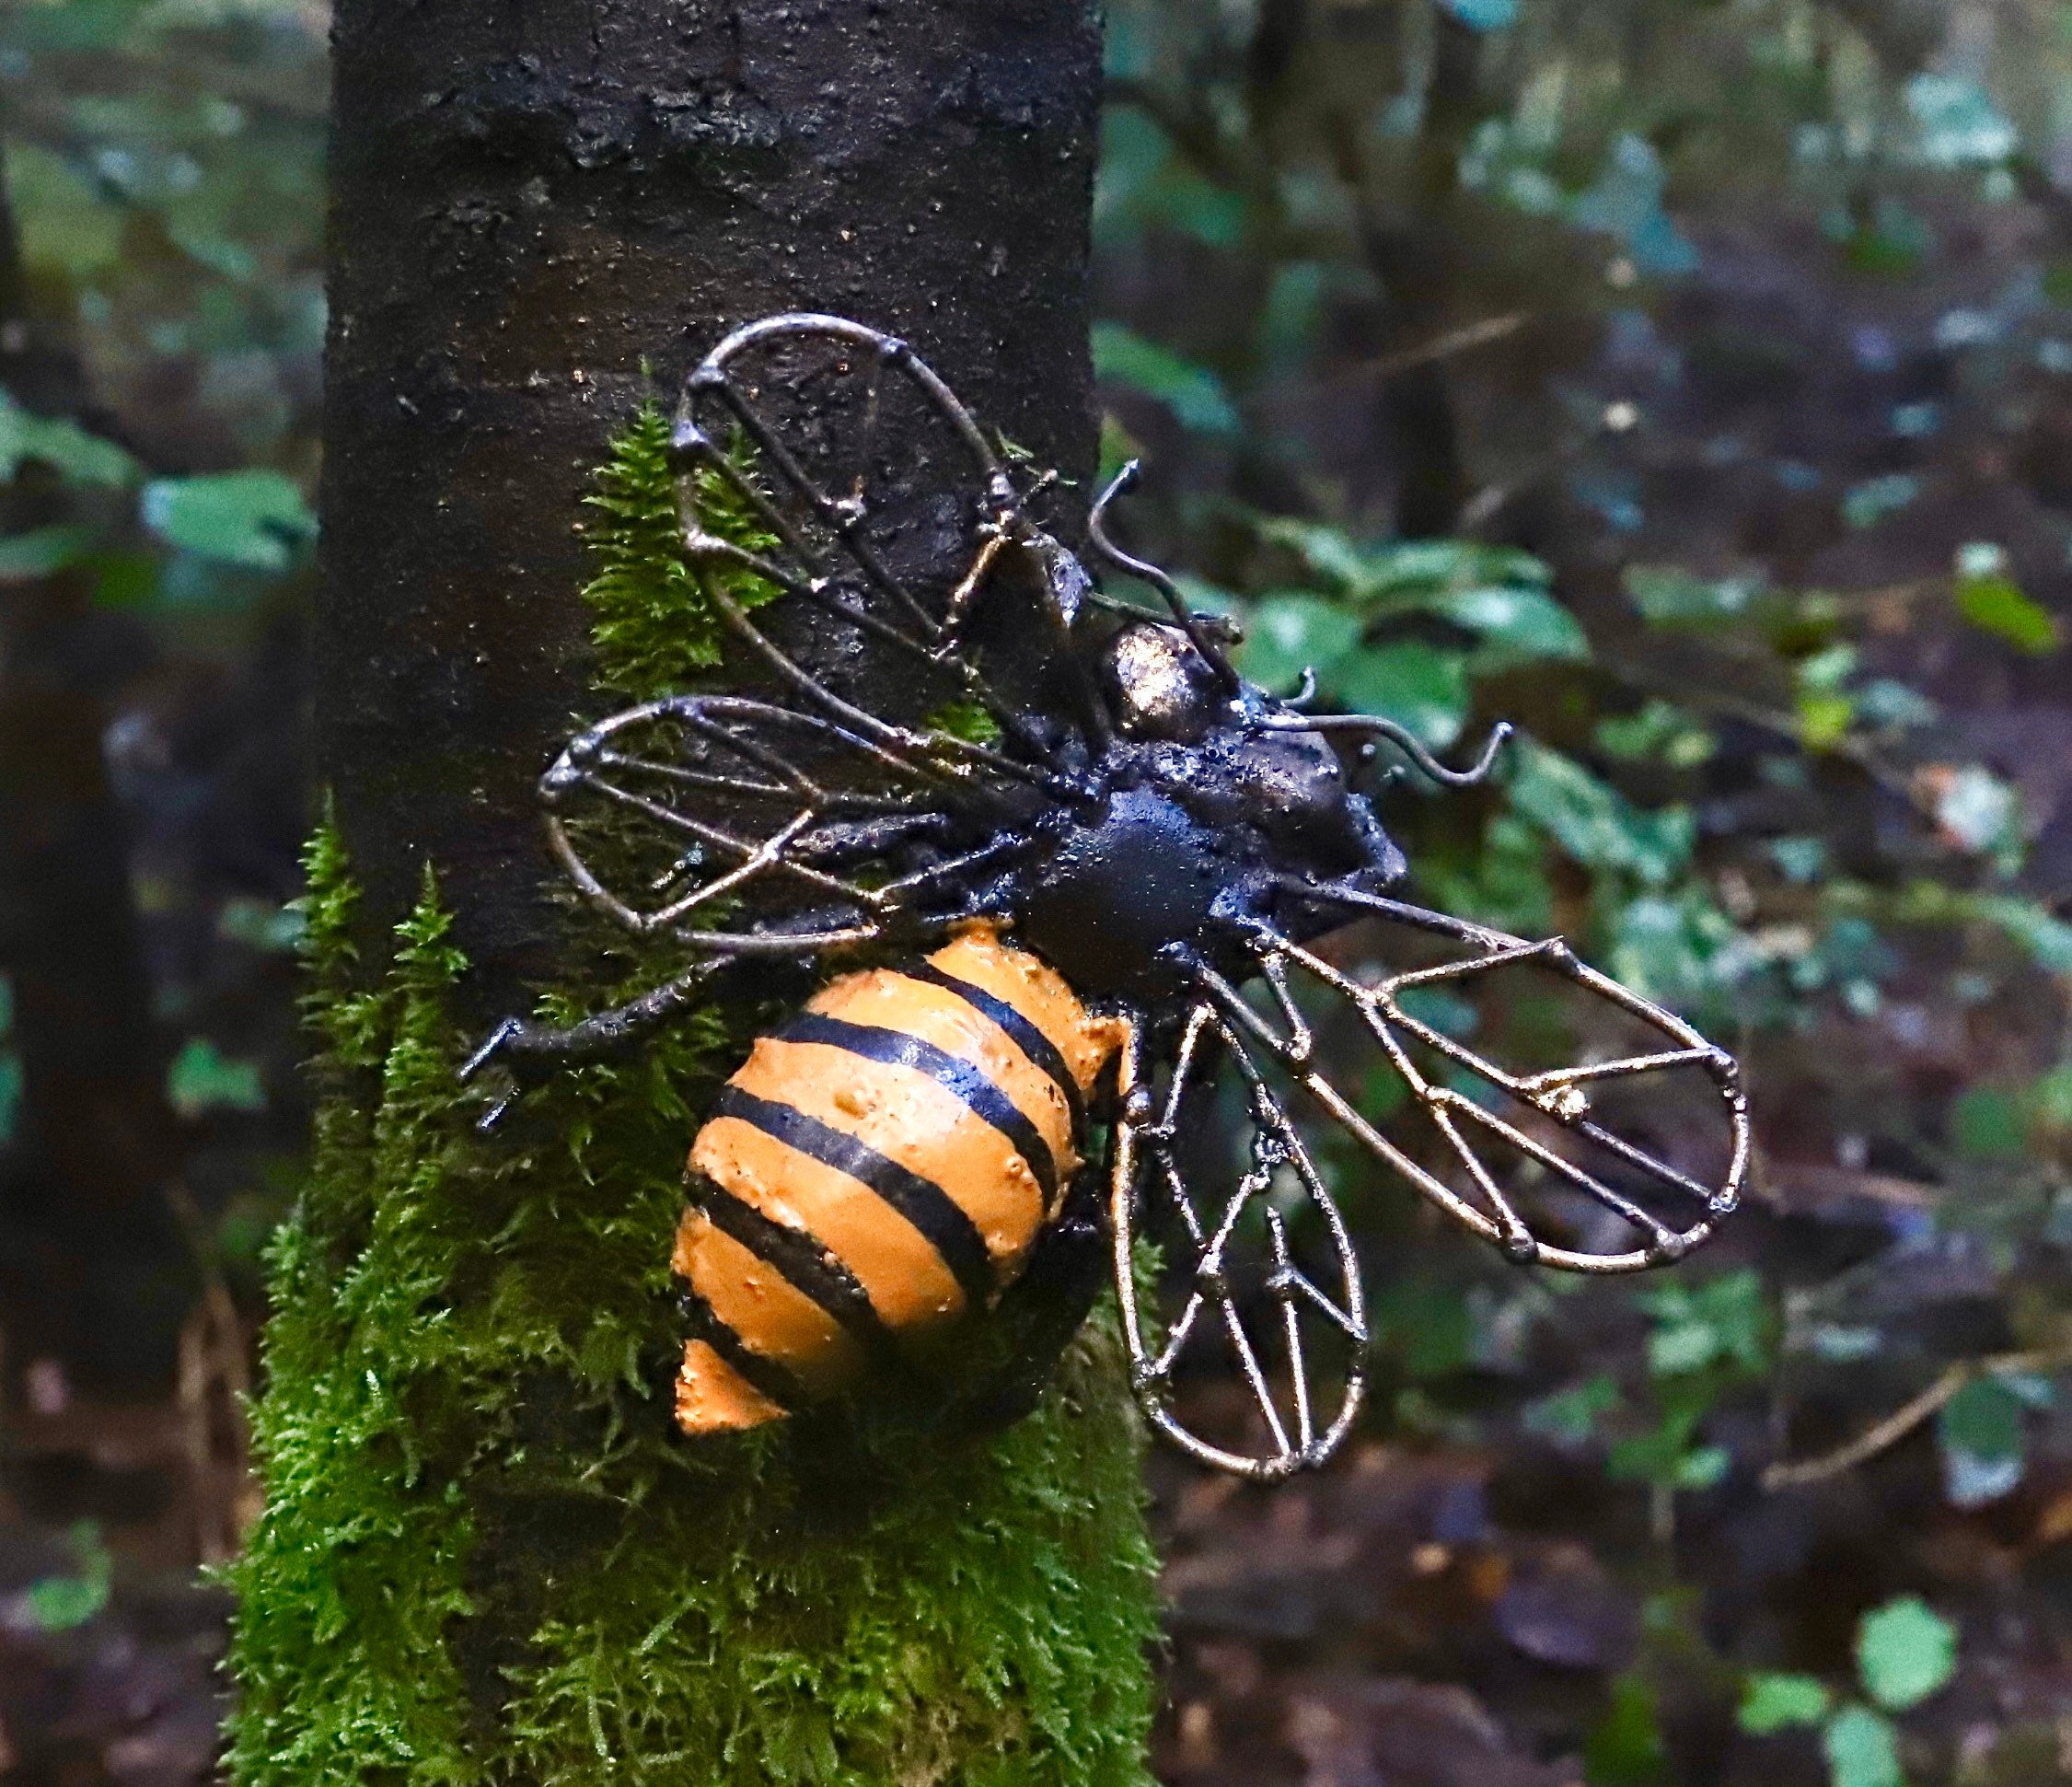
484 1555
93 1269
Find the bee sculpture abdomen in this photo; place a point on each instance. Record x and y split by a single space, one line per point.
878 1168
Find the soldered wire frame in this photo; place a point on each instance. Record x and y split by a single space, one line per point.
732 781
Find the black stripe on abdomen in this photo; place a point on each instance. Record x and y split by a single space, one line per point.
800 1259
979 1095
763 1373
939 1217
1042 1052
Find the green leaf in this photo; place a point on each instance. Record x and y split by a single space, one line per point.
1593 822
41 551
2049 1098
59 1604
1862 1749
1868 503
68 224
1824 720
1485 15
1626 201
201 1078
65 1602
1330 552
1979 1434
1142 180
1776 1702
1118 447
1194 394
1402 570
261 924
1702 1468
1717 1321
1887 703
1658 1456
252 519
1669 597
1417 685
1487 589
1960 124
1572 1414
1993 602
1905 1651
1285 634
969 721
1986 1123
68 449
1427 1326
1660 733
1679 946
2046 939
1826 708
1518 625
1626 1748
2033 1389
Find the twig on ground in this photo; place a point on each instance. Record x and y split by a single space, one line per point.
1882 1436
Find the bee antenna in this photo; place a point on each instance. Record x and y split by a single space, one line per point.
1191 623
1407 742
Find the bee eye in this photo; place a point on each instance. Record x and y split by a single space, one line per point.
1159 684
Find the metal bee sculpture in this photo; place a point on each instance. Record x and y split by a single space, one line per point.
1097 883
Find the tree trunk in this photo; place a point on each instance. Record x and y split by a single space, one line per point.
485 1556
94 1268
530 204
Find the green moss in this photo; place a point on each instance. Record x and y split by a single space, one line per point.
969 721
654 630
486 1556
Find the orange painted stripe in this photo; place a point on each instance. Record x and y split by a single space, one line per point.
1027 983
906 1116
903 1275
892 1001
713 1398
773 1317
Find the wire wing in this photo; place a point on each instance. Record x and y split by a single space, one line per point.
741 824
1260 1264
875 500
1627 1155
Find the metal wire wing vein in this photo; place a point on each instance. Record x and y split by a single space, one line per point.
740 791
790 501
1149 1178
1557 1095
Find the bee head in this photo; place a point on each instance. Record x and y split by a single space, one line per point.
1247 763
1159 687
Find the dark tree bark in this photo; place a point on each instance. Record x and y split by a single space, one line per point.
92 1262
531 200
1411 255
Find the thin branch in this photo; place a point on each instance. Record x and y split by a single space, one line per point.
1882 1436
1441 347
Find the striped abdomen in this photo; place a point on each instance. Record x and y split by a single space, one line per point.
877 1168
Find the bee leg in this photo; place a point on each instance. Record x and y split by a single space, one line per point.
529 1049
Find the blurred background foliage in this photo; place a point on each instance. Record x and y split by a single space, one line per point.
1689 381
